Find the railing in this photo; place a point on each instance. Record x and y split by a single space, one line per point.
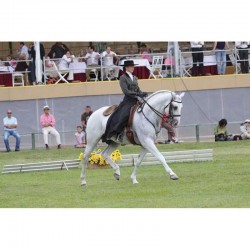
185 133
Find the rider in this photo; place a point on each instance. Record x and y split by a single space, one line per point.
119 119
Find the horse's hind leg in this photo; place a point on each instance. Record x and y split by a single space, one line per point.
106 154
137 164
150 146
89 148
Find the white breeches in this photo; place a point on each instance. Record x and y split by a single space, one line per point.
54 132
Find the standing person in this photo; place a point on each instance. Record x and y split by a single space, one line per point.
220 54
10 125
23 49
32 64
119 119
243 54
245 129
108 57
79 138
171 133
85 116
91 59
198 56
48 122
58 50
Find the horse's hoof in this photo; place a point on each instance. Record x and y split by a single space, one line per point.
117 176
174 177
135 182
83 184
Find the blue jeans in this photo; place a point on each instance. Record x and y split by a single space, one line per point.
221 62
6 139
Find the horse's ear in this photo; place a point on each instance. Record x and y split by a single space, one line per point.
182 94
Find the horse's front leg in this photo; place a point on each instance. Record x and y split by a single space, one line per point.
106 154
137 164
150 146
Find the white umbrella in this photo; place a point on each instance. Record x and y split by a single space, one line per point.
38 63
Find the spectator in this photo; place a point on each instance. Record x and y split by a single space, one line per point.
22 67
58 50
81 54
243 54
64 64
220 53
171 133
23 49
197 54
144 52
47 121
109 57
32 64
50 71
11 62
79 138
91 59
85 116
245 129
10 125
220 131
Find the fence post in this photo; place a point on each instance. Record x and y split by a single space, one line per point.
197 133
33 142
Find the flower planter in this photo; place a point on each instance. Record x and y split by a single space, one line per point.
97 166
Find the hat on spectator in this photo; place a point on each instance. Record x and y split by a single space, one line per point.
247 120
128 63
45 107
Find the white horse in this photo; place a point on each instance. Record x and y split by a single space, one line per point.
146 126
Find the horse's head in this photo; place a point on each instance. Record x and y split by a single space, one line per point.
175 107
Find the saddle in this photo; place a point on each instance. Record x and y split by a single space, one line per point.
129 131
110 110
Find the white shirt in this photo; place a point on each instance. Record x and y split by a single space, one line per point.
242 45
9 121
64 62
130 75
197 44
24 50
92 58
108 58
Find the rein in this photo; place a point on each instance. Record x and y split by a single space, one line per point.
158 113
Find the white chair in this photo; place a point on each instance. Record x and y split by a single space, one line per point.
186 66
233 61
61 74
93 74
17 79
156 67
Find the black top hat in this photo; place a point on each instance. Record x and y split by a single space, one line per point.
128 63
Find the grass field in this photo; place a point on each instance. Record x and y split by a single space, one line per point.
223 182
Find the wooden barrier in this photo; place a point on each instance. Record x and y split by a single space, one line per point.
40 166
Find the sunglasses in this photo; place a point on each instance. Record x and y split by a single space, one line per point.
9 113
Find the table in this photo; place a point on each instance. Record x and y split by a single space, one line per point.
142 70
6 78
78 69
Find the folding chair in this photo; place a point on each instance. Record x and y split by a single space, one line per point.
17 79
233 61
61 74
93 74
156 67
186 66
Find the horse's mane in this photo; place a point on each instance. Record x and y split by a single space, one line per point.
157 92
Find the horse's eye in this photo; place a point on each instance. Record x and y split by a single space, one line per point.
175 108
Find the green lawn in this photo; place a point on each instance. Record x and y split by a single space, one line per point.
223 182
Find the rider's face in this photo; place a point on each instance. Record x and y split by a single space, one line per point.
130 69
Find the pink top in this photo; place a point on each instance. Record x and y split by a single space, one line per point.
146 56
47 120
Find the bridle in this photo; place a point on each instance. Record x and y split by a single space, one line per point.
171 116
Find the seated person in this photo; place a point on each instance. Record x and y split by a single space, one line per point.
220 131
11 61
108 57
144 52
79 138
64 64
245 129
91 59
50 71
10 125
